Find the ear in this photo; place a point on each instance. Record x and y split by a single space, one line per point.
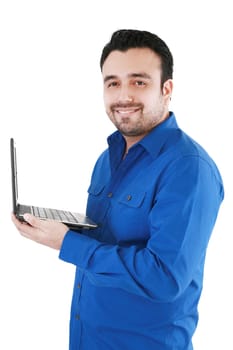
167 88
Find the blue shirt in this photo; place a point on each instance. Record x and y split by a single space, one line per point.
139 275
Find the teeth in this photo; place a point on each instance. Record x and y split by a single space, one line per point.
125 111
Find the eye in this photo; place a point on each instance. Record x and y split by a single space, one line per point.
112 84
139 83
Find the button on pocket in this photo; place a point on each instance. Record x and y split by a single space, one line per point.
133 200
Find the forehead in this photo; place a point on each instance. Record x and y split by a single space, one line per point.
135 60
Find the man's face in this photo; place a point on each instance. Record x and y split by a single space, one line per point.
133 97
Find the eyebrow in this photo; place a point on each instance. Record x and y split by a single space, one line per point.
131 75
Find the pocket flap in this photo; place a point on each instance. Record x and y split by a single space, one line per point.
95 189
133 199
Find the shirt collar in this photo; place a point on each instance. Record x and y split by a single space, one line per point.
153 142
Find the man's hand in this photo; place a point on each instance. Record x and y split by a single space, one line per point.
50 233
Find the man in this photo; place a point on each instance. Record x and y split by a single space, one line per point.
155 194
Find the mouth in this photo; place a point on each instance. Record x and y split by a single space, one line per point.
125 112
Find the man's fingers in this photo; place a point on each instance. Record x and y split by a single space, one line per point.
32 220
22 227
36 222
17 222
47 232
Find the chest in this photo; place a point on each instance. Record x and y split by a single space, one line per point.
121 200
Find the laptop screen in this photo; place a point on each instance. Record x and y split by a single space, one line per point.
14 175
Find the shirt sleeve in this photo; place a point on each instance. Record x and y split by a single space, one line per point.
181 221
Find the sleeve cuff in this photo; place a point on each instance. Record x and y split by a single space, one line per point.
77 249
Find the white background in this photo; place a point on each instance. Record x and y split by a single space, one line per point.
51 103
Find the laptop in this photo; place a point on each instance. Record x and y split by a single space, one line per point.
74 221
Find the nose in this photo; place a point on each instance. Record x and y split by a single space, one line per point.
125 95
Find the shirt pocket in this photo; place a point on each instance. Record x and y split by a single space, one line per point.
97 205
129 217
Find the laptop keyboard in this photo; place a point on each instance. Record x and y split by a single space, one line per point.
54 214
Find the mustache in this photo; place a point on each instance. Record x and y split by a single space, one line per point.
126 105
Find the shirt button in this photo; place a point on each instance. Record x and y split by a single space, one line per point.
77 317
129 197
79 285
110 194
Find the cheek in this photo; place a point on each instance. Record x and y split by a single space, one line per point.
106 103
153 101
108 100
149 102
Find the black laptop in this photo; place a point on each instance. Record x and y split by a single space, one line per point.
75 221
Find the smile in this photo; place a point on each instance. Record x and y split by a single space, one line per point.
126 111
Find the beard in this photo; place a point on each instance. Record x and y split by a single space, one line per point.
129 128
138 123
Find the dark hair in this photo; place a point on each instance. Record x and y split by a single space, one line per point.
125 39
